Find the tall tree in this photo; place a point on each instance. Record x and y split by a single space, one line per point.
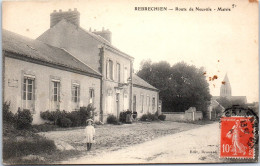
181 86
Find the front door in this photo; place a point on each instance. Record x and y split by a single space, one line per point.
118 104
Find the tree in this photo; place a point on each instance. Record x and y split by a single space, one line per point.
181 86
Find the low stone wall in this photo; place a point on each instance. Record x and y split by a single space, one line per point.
174 116
183 116
198 115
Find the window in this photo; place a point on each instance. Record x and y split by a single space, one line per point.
148 103
142 103
110 67
91 96
28 93
75 93
125 75
153 103
28 88
118 72
55 94
56 91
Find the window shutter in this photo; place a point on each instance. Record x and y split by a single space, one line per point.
52 91
59 84
72 93
78 94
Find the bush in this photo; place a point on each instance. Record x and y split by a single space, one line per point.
144 117
53 116
57 115
8 116
149 117
152 117
23 119
134 114
162 117
46 115
77 118
65 122
111 119
86 113
123 115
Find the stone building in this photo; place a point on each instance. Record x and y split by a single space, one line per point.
215 110
41 77
145 97
113 68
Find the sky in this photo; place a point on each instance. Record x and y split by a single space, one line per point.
220 41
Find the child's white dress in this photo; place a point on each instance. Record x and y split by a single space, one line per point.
89 133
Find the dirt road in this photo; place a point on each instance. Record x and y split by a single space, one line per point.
193 146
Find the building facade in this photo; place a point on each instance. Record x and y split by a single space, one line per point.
110 82
95 49
40 78
145 97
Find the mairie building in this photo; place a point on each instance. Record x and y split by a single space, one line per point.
68 67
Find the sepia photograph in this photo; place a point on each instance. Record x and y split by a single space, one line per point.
130 82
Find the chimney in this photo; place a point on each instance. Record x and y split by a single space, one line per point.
72 16
106 34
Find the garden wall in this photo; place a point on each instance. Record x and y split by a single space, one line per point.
183 116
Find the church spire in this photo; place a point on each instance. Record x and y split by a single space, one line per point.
225 89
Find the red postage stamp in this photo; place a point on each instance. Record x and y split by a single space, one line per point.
237 137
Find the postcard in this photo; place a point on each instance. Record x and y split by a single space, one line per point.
130 82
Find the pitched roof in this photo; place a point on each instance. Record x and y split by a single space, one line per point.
38 50
139 82
215 103
80 33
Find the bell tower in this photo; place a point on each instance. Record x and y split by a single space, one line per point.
225 89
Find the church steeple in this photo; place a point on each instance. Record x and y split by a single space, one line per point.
225 89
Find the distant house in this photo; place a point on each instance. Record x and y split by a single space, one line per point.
215 110
145 96
105 74
41 77
254 106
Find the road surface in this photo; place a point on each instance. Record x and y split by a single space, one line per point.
198 145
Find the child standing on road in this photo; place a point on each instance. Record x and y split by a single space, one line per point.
89 133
